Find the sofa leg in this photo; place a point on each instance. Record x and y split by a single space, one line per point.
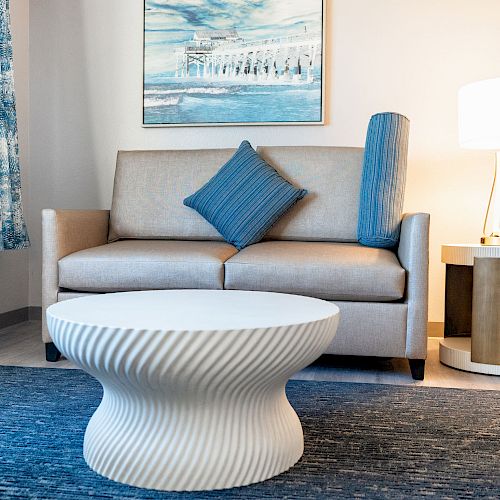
417 368
52 352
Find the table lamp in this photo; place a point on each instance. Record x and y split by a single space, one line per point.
479 128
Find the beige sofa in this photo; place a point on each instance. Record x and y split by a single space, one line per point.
150 240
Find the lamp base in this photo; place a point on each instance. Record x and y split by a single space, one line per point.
490 240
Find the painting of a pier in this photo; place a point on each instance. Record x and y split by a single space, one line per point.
228 62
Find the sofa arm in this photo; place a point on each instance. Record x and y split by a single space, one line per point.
413 253
65 232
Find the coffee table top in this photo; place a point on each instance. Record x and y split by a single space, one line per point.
193 310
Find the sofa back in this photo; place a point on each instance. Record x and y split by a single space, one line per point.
332 176
150 187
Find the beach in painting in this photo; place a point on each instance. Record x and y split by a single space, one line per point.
232 61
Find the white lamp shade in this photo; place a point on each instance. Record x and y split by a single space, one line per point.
479 115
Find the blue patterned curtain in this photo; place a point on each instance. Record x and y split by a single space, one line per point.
13 229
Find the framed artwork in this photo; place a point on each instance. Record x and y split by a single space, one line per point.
233 62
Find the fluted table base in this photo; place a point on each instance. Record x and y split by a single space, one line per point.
192 410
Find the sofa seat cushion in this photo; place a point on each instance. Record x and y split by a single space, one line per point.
146 264
332 271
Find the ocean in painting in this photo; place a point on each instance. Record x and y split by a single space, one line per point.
172 100
232 61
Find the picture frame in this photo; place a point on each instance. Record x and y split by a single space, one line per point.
233 62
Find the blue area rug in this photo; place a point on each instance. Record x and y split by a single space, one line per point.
361 440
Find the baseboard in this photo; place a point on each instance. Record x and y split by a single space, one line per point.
10 318
35 313
435 329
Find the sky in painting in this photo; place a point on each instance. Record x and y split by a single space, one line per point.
169 22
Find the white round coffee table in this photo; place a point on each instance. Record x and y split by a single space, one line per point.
194 382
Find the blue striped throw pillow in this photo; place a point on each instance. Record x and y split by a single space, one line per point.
244 198
383 180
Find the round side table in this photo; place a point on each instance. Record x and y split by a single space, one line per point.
472 308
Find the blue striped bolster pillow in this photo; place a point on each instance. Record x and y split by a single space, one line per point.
244 198
383 180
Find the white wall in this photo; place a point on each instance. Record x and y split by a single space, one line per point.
14 264
409 56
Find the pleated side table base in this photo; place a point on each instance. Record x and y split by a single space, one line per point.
455 352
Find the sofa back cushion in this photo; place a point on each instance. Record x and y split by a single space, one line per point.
149 190
150 187
332 176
